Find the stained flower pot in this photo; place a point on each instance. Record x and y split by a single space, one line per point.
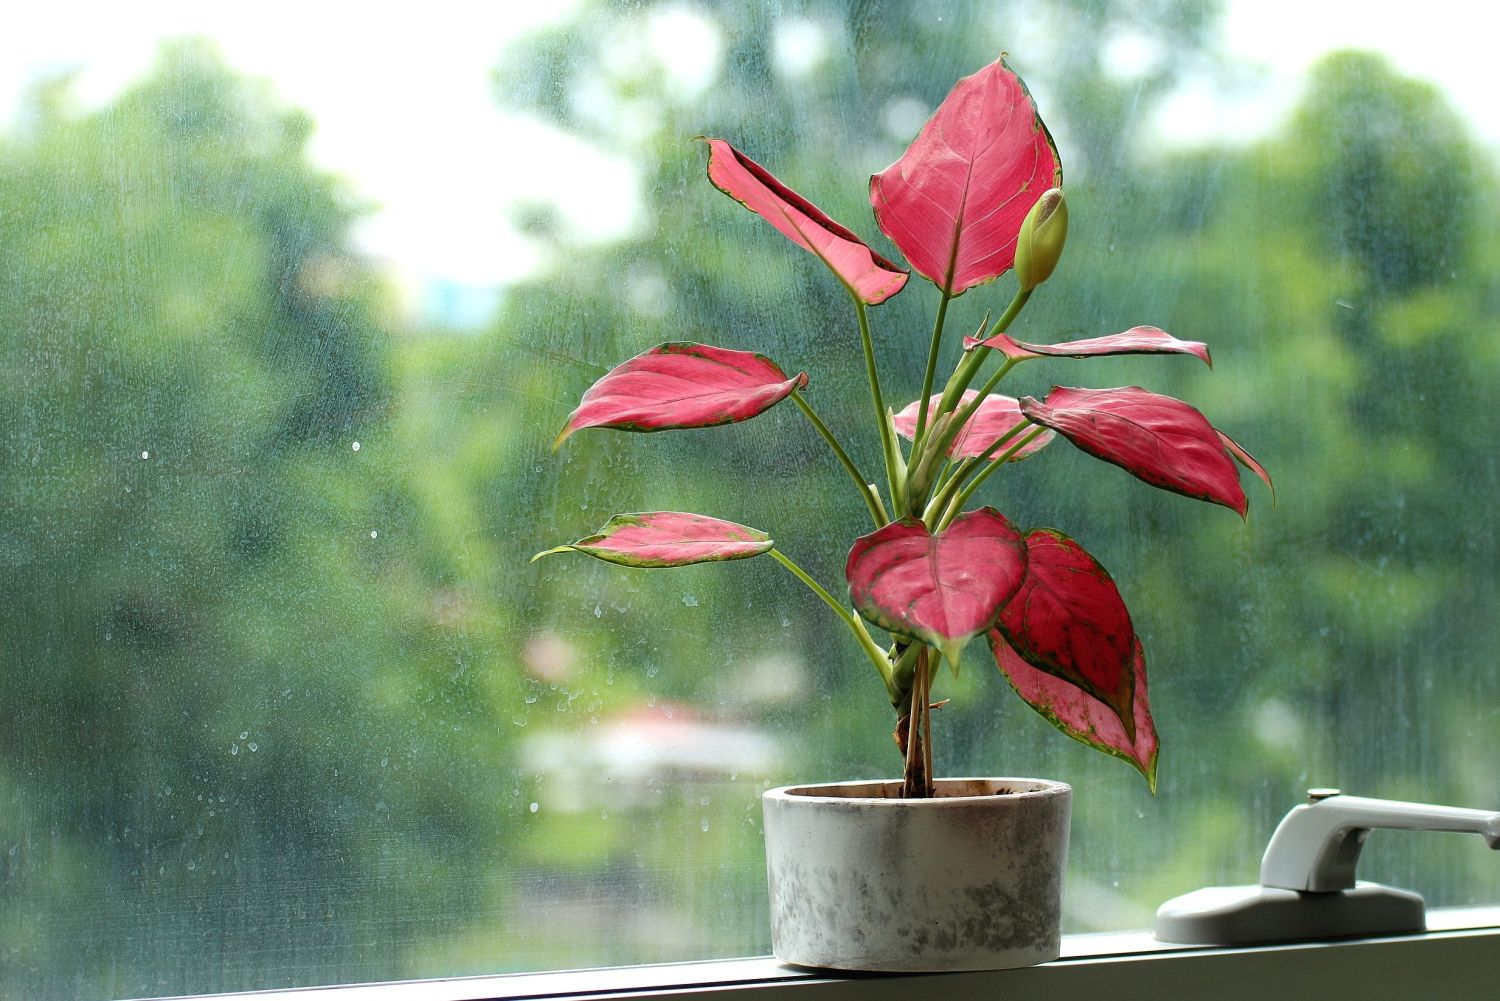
971 879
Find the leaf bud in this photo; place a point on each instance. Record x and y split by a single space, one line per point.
1040 244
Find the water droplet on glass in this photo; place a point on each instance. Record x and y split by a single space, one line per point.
703 801
145 455
234 749
651 671
355 446
109 636
244 734
386 761
254 746
374 535
703 825
530 700
535 807
194 865
598 611
690 601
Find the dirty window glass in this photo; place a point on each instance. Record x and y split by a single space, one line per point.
293 304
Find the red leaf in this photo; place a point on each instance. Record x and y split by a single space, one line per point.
668 539
1247 460
681 385
1080 715
868 276
1068 619
1163 441
940 589
995 416
955 201
1135 341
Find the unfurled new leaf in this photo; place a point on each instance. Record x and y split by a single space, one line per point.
940 589
868 276
1135 341
682 385
668 539
955 201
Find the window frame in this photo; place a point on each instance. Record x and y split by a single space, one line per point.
1457 951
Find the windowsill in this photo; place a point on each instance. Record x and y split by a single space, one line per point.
1457 952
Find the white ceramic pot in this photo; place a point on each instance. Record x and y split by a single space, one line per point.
969 880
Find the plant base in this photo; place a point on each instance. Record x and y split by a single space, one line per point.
969 880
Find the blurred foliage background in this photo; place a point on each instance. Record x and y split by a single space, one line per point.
282 701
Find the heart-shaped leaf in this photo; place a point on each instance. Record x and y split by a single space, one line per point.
1158 439
940 589
682 385
995 416
1069 620
868 276
668 539
1080 715
955 201
1135 341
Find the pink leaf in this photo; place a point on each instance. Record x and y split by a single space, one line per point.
1080 715
1247 460
681 385
1135 341
940 589
868 276
1158 439
1068 620
995 416
668 539
955 201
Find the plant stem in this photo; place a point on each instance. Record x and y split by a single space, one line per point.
929 374
969 367
876 655
958 502
969 409
917 783
871 501
966 468
887 440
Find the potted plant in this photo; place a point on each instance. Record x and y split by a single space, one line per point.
914 873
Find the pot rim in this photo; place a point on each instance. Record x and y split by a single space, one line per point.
1040 789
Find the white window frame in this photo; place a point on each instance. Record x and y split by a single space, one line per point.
1456 958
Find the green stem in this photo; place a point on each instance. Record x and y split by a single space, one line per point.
972 407
930 374
969 367
963 498
876 655
966 468
871 501
887 441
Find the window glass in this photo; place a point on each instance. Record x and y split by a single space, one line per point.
293 304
